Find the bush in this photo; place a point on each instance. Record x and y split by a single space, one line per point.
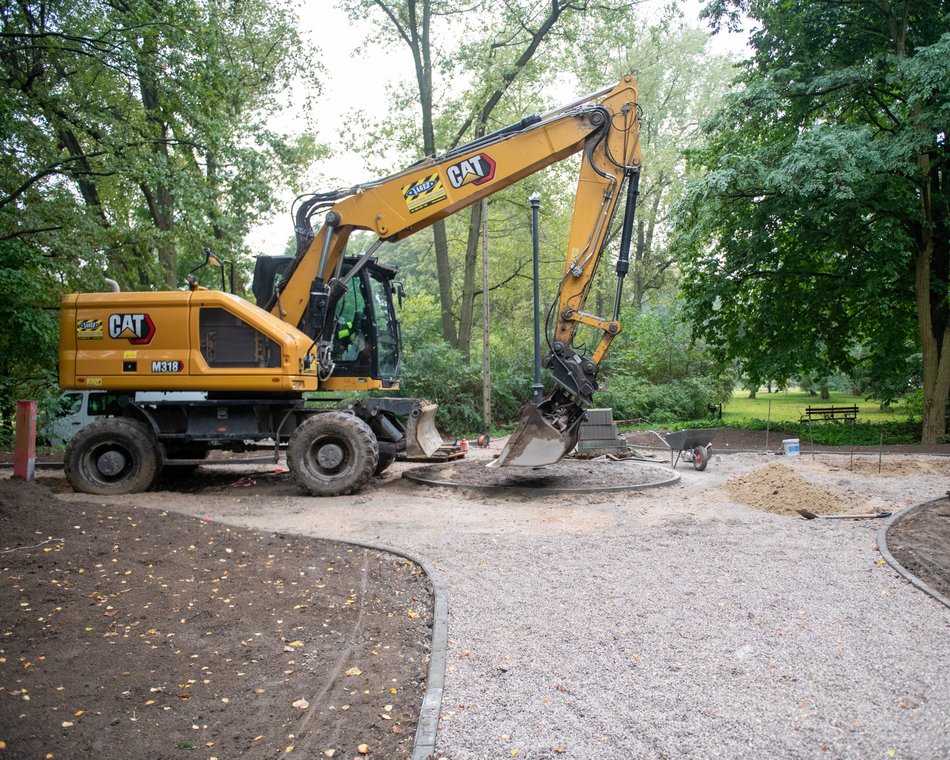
840 433
632 398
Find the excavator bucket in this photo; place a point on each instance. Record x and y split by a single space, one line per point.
422 438
536 442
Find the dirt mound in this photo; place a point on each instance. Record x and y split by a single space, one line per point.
780 490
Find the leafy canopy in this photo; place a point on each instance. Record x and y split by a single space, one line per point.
803 229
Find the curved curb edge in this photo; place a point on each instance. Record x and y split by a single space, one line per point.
424 744
901 570
410 475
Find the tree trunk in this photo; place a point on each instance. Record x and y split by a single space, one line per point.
466 318
824 393
936 355
752 392
931 264
480 117
160 199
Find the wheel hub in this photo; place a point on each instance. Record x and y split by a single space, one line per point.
111 463
330 456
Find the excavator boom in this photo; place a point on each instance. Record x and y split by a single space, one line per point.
604 127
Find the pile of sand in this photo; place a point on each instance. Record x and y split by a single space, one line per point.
778 489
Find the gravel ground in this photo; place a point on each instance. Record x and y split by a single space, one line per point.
671 623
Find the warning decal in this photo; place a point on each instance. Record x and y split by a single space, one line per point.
423 193
89 329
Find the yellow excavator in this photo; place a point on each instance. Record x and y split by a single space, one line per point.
327 322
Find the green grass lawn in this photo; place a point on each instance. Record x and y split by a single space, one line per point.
789 406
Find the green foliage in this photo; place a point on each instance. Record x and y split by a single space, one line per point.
433 370
823 194
840 433
660 404
135 133
28 340
658 370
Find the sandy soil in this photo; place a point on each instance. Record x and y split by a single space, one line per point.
396 512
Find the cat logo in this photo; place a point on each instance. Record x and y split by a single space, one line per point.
137 328
423 192
89 329
475 170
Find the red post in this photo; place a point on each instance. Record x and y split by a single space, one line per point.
24 450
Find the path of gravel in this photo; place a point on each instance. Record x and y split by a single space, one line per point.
672 623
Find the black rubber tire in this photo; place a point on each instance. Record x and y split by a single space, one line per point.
332 453
700 458
113 455
384 461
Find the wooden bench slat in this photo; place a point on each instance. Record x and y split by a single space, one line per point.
829 413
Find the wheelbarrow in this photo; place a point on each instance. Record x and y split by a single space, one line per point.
693 445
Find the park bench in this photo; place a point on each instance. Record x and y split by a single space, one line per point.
829 413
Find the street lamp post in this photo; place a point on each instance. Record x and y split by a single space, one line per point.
537 387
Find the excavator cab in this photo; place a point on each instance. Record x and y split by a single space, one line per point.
366 335
366 340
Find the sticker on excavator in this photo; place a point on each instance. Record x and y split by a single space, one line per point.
476 170
136 328
168 366
424 192
89 329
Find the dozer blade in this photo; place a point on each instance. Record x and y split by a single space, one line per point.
422 439
536 442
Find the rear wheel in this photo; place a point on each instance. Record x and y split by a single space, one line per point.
113 455
700 457
332 453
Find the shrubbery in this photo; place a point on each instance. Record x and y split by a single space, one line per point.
632 399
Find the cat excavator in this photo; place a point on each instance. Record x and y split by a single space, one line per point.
325 321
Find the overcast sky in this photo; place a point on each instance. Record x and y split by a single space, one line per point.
359 81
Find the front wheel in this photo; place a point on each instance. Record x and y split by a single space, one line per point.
332 453
113 455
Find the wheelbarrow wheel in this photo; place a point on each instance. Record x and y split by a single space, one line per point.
700 458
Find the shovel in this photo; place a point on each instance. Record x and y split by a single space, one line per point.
865 516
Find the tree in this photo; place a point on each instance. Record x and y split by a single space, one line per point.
822 220
681 85
133 133
136 130
510 37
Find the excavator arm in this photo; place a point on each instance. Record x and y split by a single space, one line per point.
604 127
